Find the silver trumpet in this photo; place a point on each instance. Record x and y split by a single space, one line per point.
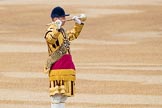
82 17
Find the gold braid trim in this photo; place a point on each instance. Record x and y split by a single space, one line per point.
62 74
69 78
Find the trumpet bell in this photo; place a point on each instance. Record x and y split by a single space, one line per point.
82 17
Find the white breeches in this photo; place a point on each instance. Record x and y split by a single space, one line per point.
58 101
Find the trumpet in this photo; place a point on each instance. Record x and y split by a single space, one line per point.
82 17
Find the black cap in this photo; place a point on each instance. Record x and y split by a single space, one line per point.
58 12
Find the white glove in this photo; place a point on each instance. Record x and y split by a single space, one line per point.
77 20
58 23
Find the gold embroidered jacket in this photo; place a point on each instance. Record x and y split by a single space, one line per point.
55 38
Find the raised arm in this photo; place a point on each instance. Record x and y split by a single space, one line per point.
53 32
51 36
74 33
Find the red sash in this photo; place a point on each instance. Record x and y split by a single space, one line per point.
65 62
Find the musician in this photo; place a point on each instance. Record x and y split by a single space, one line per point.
60 66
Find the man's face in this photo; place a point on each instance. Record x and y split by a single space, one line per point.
60 18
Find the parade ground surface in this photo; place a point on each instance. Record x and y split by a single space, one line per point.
118 55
